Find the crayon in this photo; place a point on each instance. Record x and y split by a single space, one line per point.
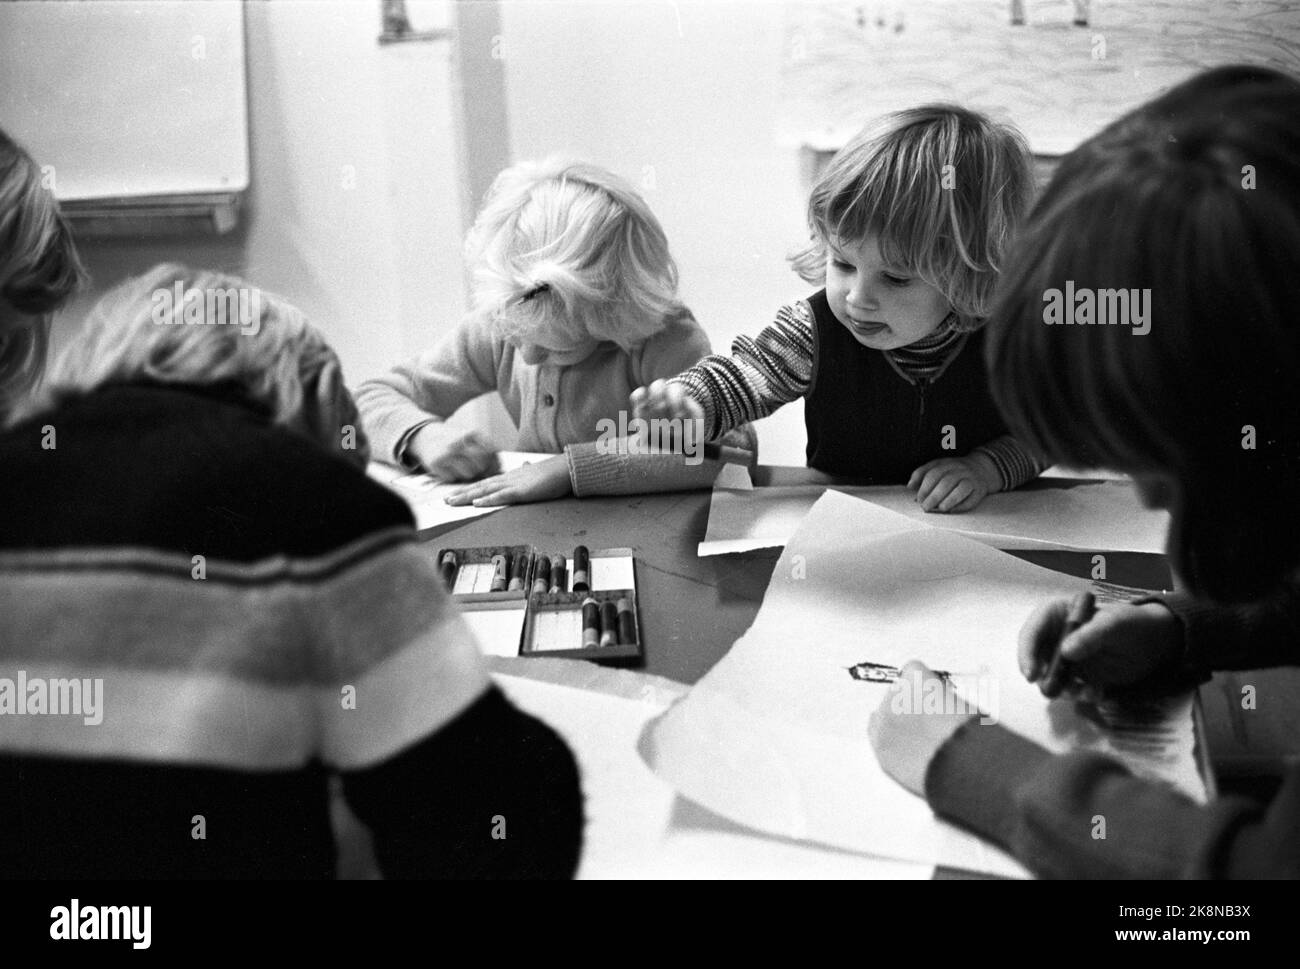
498 573
626 623
581 563
559 574
590 623
608 623
542 575
448 568
518 572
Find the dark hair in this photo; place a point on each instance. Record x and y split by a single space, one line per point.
1196 197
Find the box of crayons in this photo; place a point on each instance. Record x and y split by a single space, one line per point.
582 606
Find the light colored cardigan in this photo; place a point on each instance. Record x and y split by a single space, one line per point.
556 408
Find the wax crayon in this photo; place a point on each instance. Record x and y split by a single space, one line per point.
581 564
608 623
626 623
559 574
498 573
518 572
590 623
448 568
542 575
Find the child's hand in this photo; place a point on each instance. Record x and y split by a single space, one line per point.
540 481
1120 646
452 455
954 484
667 400
905 739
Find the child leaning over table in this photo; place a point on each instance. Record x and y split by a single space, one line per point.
909 225
575 304
1169 408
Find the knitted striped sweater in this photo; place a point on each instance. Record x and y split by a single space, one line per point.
254 616
776 367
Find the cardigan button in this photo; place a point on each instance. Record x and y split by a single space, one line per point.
549 400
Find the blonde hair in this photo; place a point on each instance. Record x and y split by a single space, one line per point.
139 332
39 269
570 248
943 188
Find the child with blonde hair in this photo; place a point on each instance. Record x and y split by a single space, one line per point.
203 547
575 305
910 223
39 271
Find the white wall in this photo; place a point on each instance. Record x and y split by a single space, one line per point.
355 207
681 98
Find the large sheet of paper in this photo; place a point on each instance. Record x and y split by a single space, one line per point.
633 829
775 736
1095 515
428 497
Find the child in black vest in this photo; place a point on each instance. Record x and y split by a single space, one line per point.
909 224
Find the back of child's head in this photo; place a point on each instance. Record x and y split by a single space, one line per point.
1195 198
39 269
941 187
221 331
571 250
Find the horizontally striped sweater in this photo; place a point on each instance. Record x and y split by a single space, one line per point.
778 366
255 616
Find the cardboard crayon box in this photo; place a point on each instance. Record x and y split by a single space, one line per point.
522 601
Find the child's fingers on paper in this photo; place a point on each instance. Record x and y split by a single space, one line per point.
970 501
962 490
941 489
1039 637
467 494
934 473
637 401
918 476
504 495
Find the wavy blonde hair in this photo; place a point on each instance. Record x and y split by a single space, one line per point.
39 270
950 226
570 249
138 332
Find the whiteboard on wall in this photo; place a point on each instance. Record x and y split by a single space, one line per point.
1070 68
128 98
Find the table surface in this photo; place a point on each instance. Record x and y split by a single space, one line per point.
693 609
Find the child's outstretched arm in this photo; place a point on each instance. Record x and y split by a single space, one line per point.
761 374
404 410
622 466
957 484
1079 815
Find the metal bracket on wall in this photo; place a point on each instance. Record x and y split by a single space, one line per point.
397 27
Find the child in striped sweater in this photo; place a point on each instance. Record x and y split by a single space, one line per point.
909 225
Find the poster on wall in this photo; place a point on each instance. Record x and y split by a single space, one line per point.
1059 69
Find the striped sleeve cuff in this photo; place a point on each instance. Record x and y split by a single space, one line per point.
1014 463
761 374
592 472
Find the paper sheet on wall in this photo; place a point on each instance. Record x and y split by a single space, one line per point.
1103 515
427 496
775 736
631 830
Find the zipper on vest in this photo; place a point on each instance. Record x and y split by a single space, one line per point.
921 385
